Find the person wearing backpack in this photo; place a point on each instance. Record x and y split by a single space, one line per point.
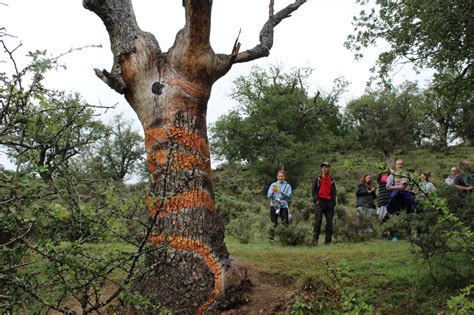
323 192
383 196
279 193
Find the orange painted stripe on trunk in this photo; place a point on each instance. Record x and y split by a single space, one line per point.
191 88
150 163
188 200
182 136
203 250
179 161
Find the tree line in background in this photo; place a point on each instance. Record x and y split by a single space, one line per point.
434 35
279 123
278 116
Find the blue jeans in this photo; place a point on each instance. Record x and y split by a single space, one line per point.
401 199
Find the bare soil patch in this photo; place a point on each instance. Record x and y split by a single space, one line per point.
267 295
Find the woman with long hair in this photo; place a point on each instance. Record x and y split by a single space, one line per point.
365 203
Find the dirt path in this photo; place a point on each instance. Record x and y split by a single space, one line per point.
267 296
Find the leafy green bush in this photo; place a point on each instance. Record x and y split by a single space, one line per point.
241 228
441 230
463 303
331 295
292 235
342 195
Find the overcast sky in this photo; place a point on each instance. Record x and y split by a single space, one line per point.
312 37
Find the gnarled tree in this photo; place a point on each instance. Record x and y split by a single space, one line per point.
169 92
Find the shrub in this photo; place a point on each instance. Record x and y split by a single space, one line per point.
442 231
463 303
292 235
332 295
241 228
342 195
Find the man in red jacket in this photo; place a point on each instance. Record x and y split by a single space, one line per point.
323 192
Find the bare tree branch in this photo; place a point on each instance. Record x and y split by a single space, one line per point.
125 36
224 62
19 237
198 24
119 19
266 34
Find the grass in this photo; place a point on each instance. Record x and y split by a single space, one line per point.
307 260
387 275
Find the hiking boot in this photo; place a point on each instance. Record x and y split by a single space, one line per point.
327 243
394 239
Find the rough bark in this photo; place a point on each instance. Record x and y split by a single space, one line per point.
169 91
443 133
389 157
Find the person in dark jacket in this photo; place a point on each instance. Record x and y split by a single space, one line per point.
365 203
463 181
324 193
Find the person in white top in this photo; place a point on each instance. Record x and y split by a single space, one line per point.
425 185
452 174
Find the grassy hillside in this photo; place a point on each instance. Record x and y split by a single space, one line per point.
375 276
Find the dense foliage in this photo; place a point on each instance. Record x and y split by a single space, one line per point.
276 117
428 35
118 154
57 214
388 120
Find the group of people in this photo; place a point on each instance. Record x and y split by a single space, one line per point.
395 192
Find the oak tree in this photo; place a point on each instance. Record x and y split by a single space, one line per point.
386 120
276 117
169 91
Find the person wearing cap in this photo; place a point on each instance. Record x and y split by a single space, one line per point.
323 192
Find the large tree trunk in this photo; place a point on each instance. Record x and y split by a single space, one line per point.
443 133
189 269
389 157
188 274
